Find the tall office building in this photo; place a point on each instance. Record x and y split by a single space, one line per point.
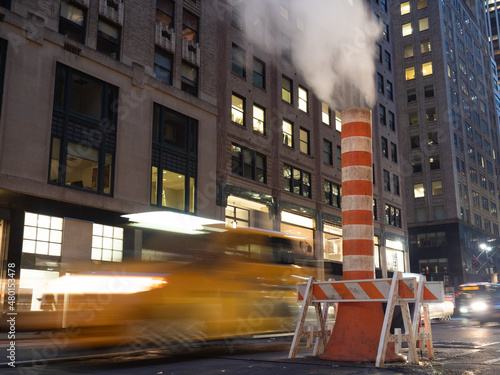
110 107
450 138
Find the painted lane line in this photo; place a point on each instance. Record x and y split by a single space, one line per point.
492 361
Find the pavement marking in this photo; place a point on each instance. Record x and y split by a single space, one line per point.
492 361
489 344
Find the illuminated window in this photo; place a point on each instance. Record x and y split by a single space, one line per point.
259 118
75 161
165 12
72 19
42 234
303 96
338 120
405 8
286 89
174 159
423 24
287 133
107 243
410 73
304 141
406 29
421 4
325 113
418 190
427 68
189 26
238 110
437 187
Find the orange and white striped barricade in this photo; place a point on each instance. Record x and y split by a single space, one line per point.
395 291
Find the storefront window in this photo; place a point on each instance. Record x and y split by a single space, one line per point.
299 226
107 243
332 242
394 255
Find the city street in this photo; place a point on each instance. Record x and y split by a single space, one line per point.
459 349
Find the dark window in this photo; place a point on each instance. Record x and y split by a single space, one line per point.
395 184
237 14
392 216
392 121
387 180
165 12
163 66
259 73
380 83
387 60
332 194
382 115
238 60
72 21
432 138
428 91
390 94
416 166
385 147
108 39
174 160
248 163
394 152
296 181
327 152
434 162
83 132
385 31
189 26
189 79
415 141
411 95
5 4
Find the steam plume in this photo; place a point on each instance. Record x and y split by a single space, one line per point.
332 43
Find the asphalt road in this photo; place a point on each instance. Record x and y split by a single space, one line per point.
459 349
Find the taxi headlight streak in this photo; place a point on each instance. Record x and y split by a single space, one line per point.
479 306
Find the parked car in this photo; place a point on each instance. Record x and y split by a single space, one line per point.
479 302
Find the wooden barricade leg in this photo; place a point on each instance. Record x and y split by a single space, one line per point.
386 327
412 344
302 318
428 333
323 329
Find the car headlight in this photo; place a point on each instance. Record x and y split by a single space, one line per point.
464 309
479 306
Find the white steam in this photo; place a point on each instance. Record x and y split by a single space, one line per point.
332 43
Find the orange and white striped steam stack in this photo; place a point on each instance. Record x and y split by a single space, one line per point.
358 325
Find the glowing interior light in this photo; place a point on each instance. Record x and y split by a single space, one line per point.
98 284
170 221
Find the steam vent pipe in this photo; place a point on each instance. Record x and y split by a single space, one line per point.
358 325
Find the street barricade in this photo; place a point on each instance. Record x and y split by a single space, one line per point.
397 291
